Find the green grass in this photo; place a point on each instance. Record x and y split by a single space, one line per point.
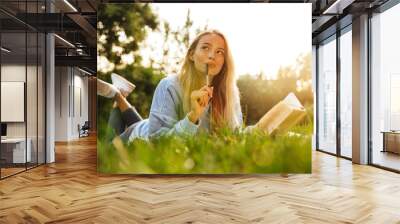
225 152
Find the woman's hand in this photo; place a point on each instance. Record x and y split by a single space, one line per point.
199 101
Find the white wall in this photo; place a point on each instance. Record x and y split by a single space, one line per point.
34 124
61 103
16 73
71 94
80 97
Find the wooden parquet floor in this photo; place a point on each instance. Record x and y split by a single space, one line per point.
71 191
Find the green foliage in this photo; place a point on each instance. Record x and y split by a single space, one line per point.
221 153
134 20
259 95
178 39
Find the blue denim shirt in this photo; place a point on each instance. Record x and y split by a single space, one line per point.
167 116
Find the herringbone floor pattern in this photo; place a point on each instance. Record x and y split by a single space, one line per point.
70 191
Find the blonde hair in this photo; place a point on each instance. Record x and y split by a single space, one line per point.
225 94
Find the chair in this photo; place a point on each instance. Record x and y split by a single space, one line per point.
84 130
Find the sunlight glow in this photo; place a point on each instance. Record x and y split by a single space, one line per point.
262 37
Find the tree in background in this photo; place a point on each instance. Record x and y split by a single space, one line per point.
121 29
176 42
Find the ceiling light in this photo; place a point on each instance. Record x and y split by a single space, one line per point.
5 50
79 51
64 40
70 5
84 71
338 6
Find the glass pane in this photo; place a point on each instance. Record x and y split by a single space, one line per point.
31 101
22 77
346 94
394 102
13 86
327 96
41 98
386 89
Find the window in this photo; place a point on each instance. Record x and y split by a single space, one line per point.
385 88
327 96
346 93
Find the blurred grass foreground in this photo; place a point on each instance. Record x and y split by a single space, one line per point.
225 152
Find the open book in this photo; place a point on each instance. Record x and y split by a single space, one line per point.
282 116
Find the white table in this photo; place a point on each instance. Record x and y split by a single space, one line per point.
19 155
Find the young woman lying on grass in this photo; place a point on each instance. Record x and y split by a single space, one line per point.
202 97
